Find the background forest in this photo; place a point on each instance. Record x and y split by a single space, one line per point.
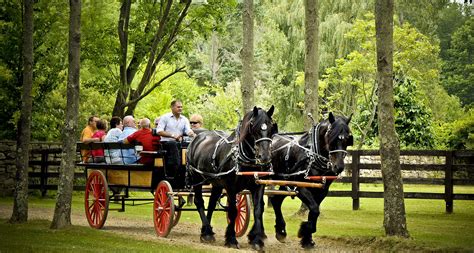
199 63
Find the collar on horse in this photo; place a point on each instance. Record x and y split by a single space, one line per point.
313 154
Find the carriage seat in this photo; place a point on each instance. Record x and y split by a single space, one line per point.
111 151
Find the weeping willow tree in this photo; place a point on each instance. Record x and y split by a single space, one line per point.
281 48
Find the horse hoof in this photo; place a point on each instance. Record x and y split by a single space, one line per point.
258 247
208 238
280 237
232 245
308 244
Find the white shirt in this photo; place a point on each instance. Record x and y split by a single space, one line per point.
173 125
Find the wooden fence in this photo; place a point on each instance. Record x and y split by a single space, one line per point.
431 167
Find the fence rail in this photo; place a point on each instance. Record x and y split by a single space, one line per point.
451 168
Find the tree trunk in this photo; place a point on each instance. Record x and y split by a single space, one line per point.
394 206
62 211
311 66
247 85
214 57
311 69
122 93
20 201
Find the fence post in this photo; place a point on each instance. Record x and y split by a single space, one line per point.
355 179
44 172
448 182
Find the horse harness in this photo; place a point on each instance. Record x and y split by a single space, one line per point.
237 154
313 154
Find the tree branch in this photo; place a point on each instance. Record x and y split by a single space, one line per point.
144 94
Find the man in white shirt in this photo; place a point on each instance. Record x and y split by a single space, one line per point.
172 127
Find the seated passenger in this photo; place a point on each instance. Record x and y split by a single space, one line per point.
172 127
113 156
129 128
146 138
86 136
197 123
98 136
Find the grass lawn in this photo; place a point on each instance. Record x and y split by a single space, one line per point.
429 226
35 236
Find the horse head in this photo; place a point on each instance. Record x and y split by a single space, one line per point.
256 132
336 137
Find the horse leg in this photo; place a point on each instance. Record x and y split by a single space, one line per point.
230 240
309 227
215 194
207 235
257 234
280 224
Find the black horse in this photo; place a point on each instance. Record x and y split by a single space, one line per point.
214 157
319 152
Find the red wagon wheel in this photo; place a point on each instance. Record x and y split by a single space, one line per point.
243 214
177 213
96 199
163 209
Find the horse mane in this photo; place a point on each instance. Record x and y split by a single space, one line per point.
246 127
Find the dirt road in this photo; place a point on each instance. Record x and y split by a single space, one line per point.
185 233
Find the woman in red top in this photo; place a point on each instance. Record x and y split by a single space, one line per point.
98 136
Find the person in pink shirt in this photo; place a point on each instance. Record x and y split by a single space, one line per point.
99 136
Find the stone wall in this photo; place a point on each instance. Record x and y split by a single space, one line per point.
8 166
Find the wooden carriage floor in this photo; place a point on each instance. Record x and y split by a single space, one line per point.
184 233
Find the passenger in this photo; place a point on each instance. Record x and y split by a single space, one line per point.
145 137
196 122
172 127
129 128
98 136
113 156
86 135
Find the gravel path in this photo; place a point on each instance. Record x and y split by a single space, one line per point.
184 233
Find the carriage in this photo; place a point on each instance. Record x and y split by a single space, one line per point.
113 182
211 157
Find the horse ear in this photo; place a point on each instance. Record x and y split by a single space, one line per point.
270 111
331 118
255 111
274 128
350 140
349 119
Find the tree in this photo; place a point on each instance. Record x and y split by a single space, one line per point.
458 76
394 206
62 211
311 66
247 85
20 203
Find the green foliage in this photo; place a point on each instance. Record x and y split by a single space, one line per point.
351 84
10 65
458 78
458 134
214 103
450 19
412 119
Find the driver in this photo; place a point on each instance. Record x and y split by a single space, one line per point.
172 127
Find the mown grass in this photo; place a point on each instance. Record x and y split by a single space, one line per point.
429 226
35 236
